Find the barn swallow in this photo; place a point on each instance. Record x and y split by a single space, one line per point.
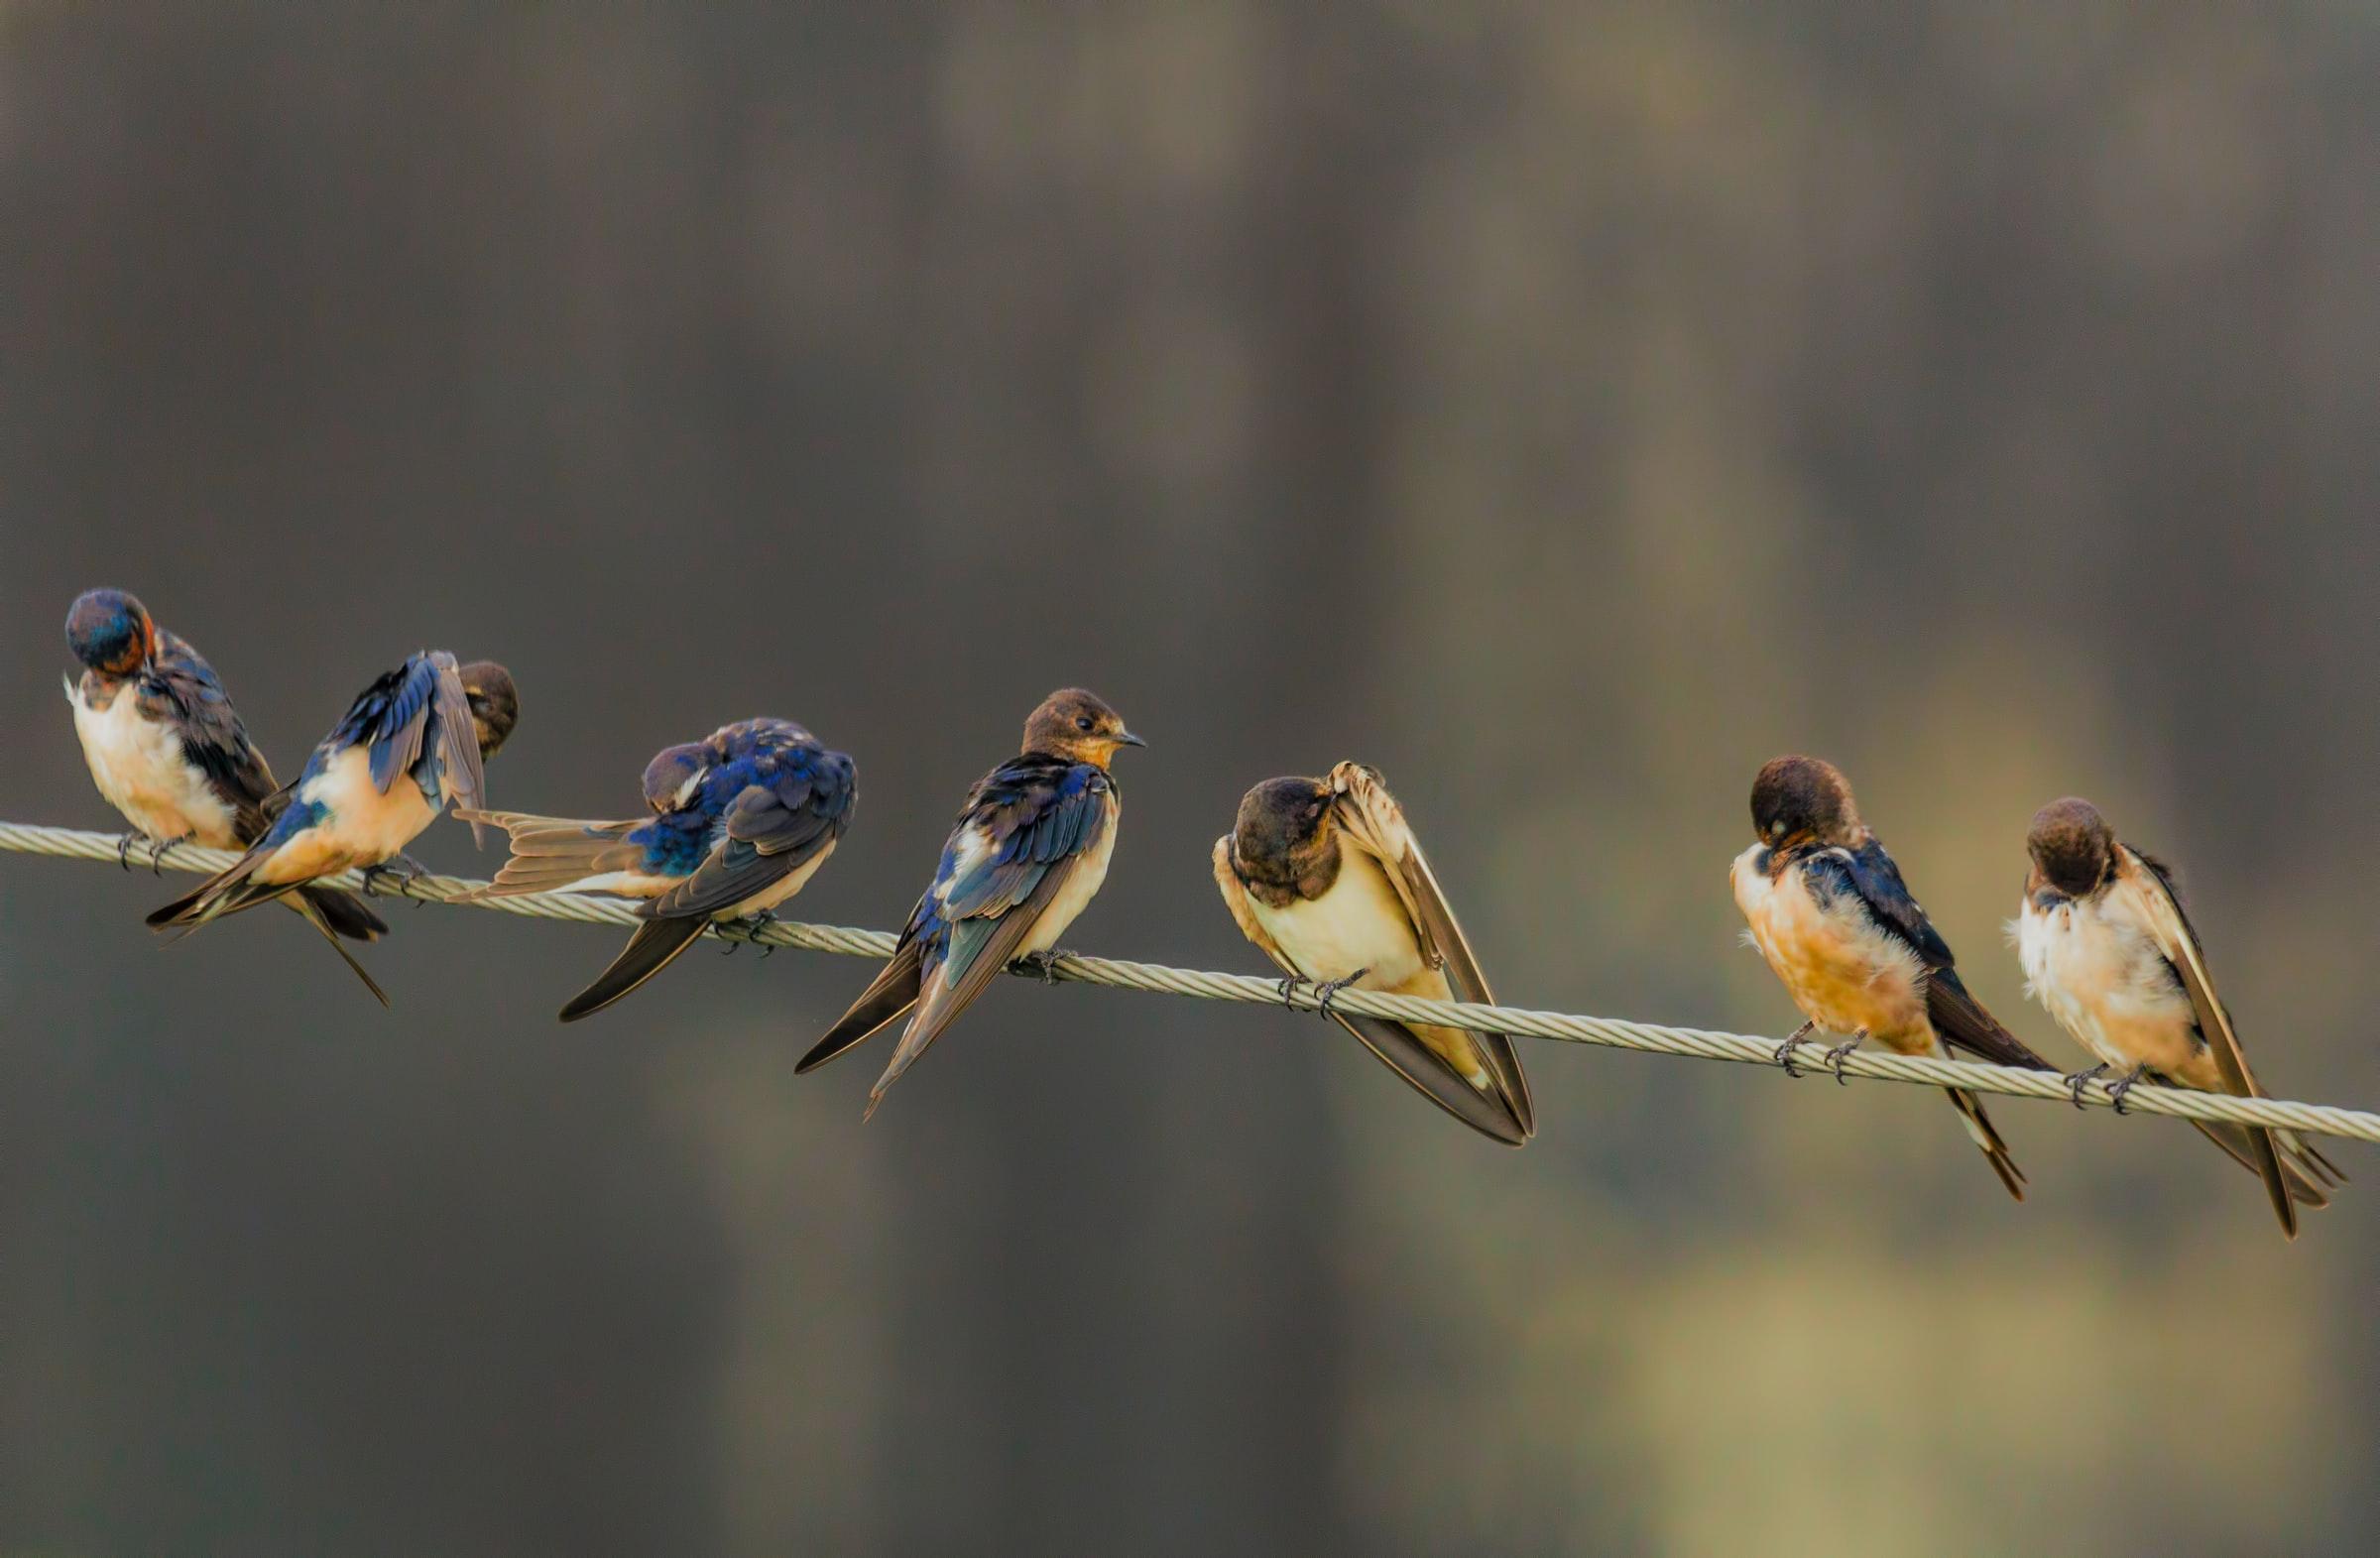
1030 849
410 743
1829 911
167 750
2108 949
740 821
1327 879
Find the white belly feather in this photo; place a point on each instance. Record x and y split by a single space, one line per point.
2094 967
139 767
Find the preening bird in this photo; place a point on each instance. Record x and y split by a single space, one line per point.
2109 950
1326 878
167 749
1030 851
740 821
1827 910
413 740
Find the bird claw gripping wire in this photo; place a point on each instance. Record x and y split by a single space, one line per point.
1329 989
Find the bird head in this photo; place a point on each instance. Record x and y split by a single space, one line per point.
2071 846
110 632
1286 820
1797 800
674 775
495 703
1078 726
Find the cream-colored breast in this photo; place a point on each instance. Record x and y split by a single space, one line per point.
1358 922
1081 887
363 827
2095 968
1847 973
138 765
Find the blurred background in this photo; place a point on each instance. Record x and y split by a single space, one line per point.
1562 406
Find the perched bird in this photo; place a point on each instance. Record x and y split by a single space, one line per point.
2109 950
166 750
1030 849
1327 879
741 820
413 740
1827 910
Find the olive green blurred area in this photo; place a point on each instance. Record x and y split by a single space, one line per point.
1562 406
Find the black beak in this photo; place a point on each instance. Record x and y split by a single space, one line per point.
1127 739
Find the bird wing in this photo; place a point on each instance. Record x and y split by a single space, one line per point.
772 829
181 689
1032 826
1870 874
1370 817
2178 942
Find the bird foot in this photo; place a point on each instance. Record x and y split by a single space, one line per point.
392 875
1329 989
1289 987
754 924
1045 962
1833 1058
1783 1054
2075 1083
2123 1085
127 843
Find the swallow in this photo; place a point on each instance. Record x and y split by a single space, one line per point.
167 749
412 741
2109 951
740 822
1030 851
1327 879
1827 910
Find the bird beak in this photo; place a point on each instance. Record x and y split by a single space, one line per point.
1127 739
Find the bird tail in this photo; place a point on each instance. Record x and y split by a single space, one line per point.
892 994
2297 1173
229 892
552 854
310 907
1988 1137
654 947
1960 1020
345 913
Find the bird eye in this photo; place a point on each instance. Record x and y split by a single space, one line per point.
1082 722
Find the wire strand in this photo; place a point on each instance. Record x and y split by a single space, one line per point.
1611 1033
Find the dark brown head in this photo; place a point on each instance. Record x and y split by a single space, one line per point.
1283 829
674 774
1800 799
1079 727
495 706
2071 845
110 632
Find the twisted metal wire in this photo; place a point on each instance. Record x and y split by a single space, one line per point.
1612 1033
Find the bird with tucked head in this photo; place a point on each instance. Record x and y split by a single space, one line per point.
2109 953
167 750
410 744
1327 879
740 821
1827 907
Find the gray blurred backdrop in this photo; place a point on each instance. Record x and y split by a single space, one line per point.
1562 407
